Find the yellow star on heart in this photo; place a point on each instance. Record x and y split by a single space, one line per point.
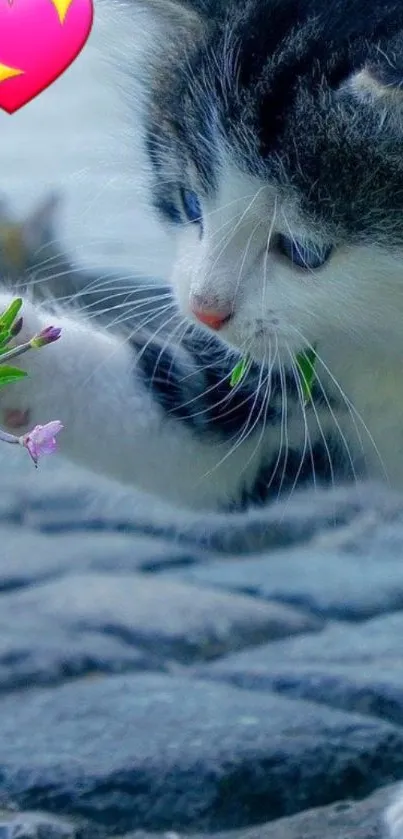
62 7
9 72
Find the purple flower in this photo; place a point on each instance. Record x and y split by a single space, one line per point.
41 440
47 336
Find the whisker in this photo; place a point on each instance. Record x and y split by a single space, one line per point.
246 430
265 405
128 337
284 395
353 413
307 439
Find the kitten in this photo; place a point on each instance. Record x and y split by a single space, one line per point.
273 131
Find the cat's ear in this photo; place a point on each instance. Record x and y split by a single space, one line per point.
378 84
38 228
380 81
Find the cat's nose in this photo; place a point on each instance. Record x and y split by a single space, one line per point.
214 318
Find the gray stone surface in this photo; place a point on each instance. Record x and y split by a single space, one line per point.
86 595
32 652
356 668
342 820
165 752
318 579
159 616
68 500
27 557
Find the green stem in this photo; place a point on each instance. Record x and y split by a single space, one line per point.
23 348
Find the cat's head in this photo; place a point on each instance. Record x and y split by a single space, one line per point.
24 242
275 134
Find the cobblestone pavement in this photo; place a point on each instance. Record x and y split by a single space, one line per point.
151 685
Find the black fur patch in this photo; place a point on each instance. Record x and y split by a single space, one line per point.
192 383
265 78
320 467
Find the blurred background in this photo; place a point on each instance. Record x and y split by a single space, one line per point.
80 138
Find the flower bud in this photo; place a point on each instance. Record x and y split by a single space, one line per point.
46 336
16 327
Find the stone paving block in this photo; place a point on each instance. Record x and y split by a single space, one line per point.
343 820
168 619
355 668
168 753
28 557
33 652
65 499
328 583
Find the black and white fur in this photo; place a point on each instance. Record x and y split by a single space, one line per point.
285 119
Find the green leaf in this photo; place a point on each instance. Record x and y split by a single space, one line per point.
8 317
239 372
5 338
10 374
306 367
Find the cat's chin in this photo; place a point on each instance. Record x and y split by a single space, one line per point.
276 352
260 344
263 349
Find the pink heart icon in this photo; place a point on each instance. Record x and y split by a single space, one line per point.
39 39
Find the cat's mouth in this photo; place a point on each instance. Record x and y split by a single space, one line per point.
260 340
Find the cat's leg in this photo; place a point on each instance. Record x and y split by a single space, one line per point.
394 818
139 411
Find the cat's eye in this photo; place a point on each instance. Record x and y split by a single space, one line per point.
308 256
191 206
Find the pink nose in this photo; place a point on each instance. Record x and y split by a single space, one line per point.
211 317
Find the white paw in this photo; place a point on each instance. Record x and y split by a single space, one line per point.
394 818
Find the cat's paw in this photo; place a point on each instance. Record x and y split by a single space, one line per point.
394 818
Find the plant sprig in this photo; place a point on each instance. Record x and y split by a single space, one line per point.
41 439
305 362
240 370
